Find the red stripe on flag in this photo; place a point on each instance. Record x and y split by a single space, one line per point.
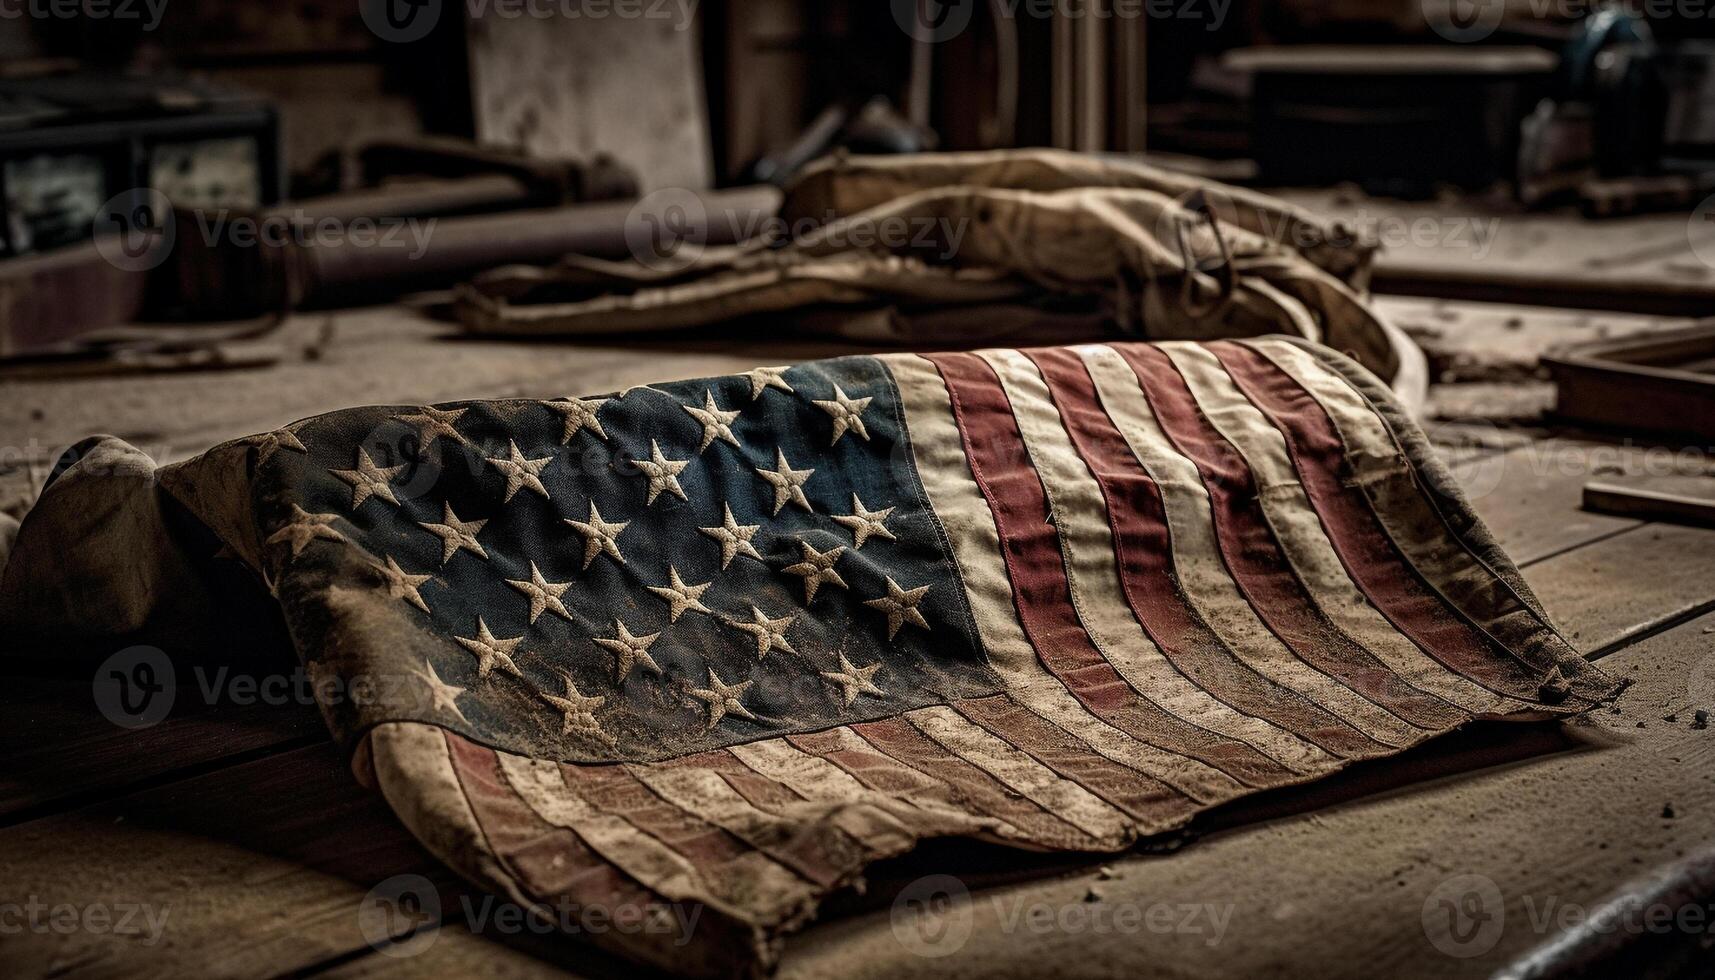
824 858
615 791
1252 554
873 768
972 789
1152 802
1393 584
1138 519
552 864
1040 590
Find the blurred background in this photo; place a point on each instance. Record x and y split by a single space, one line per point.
1553 154
1399 95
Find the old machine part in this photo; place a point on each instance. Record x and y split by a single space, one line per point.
1395 118
71 144
224 281
175 263
545 181
46 298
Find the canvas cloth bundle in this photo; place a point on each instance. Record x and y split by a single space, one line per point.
1030 246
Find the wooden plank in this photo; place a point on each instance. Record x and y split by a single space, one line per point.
1467 341
1530 496
260 868
60 750
256 868
457 953
1688 501
1605 580
1616 591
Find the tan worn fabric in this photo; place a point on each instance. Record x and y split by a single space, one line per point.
845 185
1039 246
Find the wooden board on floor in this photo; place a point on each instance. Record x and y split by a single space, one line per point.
60 750
1652 263
1629 586
1530 495
1467 341
255 867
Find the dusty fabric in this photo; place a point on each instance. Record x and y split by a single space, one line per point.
875 243
846 185
697 654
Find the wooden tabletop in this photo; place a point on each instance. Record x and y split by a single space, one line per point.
237 830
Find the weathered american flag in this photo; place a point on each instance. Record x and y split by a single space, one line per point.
726 642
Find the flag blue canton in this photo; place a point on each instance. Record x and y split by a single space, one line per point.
673 567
